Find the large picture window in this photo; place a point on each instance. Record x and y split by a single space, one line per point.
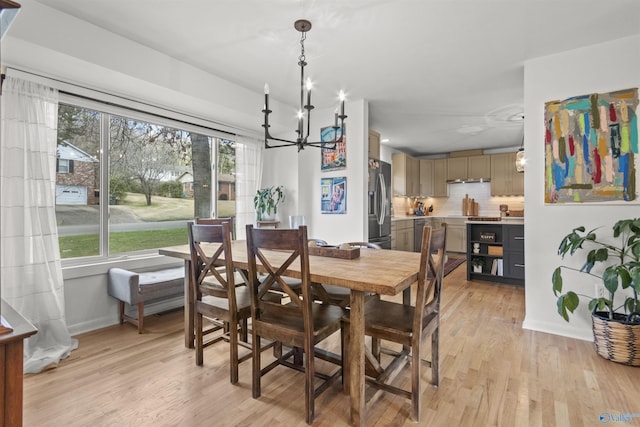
126 183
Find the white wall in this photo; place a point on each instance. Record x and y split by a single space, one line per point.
352 225
599 68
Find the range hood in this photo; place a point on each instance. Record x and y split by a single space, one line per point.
467 181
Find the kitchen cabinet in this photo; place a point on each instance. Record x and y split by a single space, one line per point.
456 234
479 168
457 169
505 180
501 250
514 251
374 145
469 168
440 186
402 235
406 175
426 178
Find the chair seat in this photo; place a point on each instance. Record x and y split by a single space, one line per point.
339 292
211 286
293 283
391 318
336 292
243 300
326 320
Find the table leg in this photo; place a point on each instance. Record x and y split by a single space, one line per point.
189 303
356 358
406 296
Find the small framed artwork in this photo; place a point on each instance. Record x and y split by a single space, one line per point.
333 159
333 195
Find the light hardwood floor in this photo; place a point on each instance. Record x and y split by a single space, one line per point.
492 373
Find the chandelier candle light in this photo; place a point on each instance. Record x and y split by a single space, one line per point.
302 141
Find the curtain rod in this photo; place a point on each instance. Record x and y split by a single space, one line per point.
242 132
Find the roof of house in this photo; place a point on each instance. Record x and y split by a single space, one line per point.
68 151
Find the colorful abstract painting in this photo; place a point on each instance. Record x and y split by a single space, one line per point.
591 148
333 159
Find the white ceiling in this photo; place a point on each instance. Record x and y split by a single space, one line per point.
439 75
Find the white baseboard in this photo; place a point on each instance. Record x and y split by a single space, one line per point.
553 328
153 307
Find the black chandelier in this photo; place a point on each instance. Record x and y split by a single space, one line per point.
302 141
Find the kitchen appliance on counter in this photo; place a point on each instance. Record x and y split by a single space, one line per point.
379 205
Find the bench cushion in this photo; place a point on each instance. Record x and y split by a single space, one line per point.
133 288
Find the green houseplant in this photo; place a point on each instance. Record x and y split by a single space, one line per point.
618 269
477 264
266 201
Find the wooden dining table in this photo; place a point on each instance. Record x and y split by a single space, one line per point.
384 272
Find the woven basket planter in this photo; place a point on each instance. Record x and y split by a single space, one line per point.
616 340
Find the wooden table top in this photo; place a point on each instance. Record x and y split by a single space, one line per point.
384 272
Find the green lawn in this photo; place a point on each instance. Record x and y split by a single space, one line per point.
88 244
168 209
161 209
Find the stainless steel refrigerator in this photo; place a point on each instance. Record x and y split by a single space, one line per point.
379 205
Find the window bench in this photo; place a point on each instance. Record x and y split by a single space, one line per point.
136 288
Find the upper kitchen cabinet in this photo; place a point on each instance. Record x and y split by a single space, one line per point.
457 169
374 145
505 180
426 177
479 168
406 175
440 186
469 168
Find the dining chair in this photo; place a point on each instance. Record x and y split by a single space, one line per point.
219 221
239 278
410 325
301 323
338 295
216 294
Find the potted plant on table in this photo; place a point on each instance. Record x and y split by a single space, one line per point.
615 321
266 202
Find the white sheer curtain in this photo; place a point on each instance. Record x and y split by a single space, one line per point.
248 175
31 273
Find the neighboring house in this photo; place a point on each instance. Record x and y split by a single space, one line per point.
226 187
186 179
75 176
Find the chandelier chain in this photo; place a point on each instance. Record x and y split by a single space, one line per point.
302 57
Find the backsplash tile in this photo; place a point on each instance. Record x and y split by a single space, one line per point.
480 191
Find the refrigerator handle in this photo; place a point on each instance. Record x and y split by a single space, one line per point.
383 199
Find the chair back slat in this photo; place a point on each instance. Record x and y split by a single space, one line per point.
219 221
272 251
432 257
211 264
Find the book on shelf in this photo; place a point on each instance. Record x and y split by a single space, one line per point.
494 267
500 270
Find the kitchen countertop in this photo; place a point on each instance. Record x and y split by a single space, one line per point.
505 219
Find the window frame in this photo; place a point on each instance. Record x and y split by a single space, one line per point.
141 112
